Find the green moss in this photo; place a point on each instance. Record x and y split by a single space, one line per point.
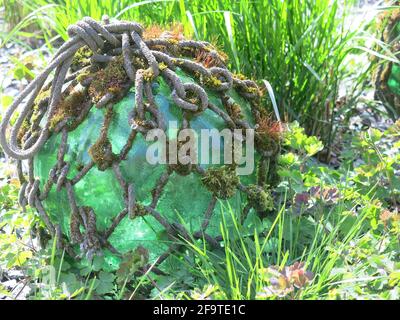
81 58
139 63
173 41
69 107
239 76
187 51
221 181
83 76
148 75
192 97
23 130
260 198
252 90
111 79
139 211
101 151
162 66
35 114
212 82
42 95
27 124
234 110
264 143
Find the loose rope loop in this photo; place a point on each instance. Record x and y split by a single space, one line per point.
86 32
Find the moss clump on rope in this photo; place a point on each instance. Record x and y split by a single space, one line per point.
260 198
101 151
112 79
222 181
269 134
69 108
212 82
192 97
139 63
234 111
139 211
81 58
162 66
83 75
24 129
43 95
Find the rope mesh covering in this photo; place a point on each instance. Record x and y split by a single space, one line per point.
114 57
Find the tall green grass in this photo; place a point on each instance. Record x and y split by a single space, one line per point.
238 270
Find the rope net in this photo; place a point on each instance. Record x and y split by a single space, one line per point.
96 68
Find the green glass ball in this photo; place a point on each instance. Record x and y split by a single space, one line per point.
184 199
